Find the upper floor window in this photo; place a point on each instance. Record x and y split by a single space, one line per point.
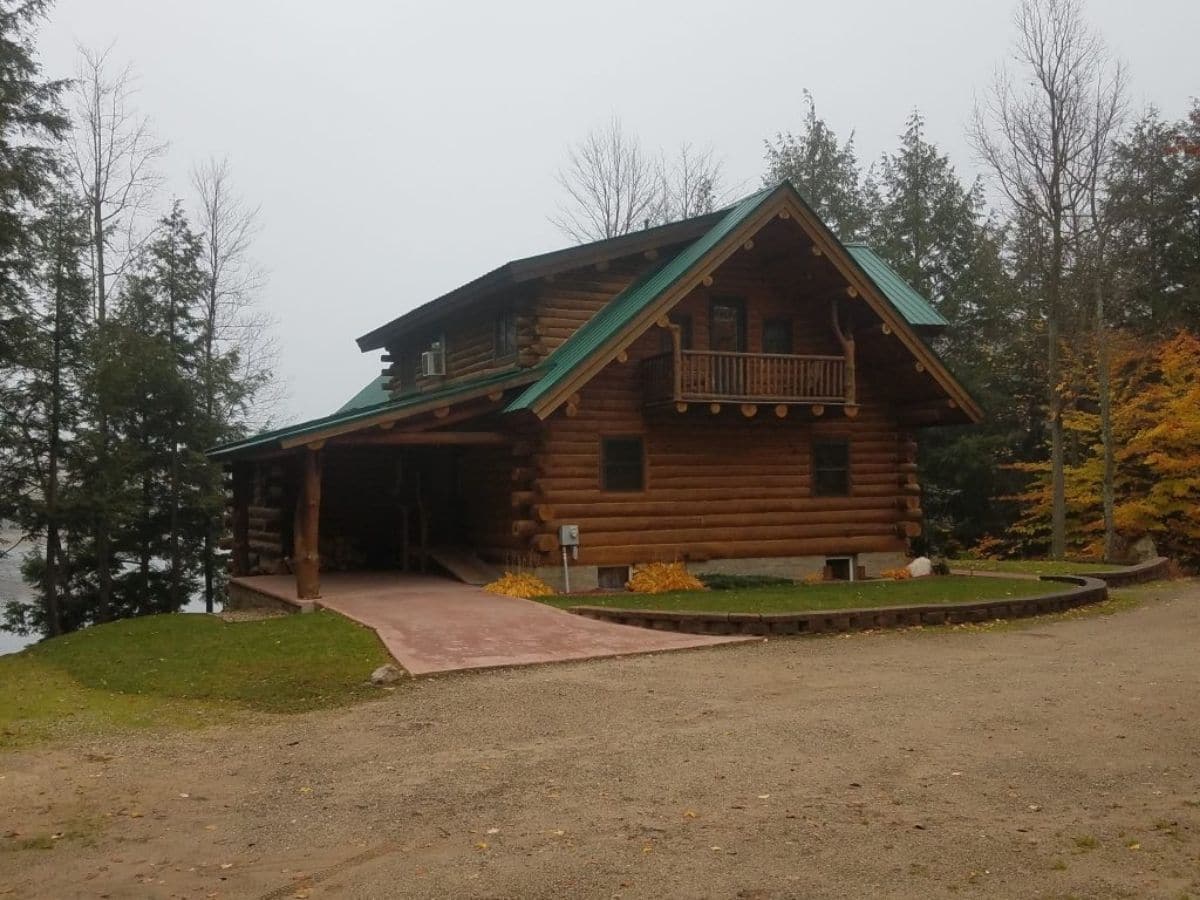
506 334
831 468
777 336
432 361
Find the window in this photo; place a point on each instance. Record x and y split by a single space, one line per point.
777 336
831 468
622 464
506 334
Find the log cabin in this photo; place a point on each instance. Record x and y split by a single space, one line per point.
740 391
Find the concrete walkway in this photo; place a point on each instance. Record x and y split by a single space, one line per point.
431 624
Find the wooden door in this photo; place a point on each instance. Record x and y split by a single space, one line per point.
727 334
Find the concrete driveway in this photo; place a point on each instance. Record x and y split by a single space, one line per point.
431 624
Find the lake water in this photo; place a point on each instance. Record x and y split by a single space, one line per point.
12 587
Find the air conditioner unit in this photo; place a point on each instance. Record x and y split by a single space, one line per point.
432 363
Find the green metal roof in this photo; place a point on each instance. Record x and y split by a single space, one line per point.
348 416
623 308
915 308
373 393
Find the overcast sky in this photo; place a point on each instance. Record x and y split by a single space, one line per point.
399 149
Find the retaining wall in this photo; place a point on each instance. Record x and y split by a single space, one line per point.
1082 590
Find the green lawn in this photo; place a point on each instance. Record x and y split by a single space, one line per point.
183 670
806 597
1030 566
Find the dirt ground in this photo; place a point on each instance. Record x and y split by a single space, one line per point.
1056 759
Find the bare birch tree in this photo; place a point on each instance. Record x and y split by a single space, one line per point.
1034 130
113 153
691 183
613 186
1094 172
232 322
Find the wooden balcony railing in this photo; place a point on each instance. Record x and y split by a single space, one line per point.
711 376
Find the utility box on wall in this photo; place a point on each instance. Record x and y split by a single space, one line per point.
568 535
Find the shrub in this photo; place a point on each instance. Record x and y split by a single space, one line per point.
719 581
658 578
900 574
522 584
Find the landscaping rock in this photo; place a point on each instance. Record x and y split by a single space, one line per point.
920 567
387 674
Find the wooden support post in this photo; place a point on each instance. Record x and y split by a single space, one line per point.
676 361
306 556
243 473
846 339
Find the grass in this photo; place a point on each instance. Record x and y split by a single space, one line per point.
1030 566
183 670
807 597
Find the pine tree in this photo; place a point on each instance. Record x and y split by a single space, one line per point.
30 122
161 433
45 399
1155 199
824 171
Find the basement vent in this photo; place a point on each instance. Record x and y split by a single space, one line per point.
612 578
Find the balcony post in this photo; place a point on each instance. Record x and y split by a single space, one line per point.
677 362
846 339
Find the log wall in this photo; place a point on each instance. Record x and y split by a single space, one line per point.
726 485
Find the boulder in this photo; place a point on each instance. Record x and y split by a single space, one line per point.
387 674
920 567
1144 549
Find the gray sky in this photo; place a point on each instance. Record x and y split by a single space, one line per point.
399 149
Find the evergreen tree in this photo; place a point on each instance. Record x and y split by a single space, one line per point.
160 429
30 123
44 400
824 171
1155 197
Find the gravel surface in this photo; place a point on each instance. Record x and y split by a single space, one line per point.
1052 759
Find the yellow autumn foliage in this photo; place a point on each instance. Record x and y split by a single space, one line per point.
519 584
900 574
658 578
1156 436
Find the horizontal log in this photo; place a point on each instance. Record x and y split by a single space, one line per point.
733 549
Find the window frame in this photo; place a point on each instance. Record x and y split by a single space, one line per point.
643 479
816 490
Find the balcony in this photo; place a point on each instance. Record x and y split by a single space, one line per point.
709 376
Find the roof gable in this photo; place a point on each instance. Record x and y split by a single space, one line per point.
635 309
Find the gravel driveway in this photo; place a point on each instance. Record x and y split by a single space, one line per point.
1051 759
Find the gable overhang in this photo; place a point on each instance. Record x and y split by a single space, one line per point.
783 202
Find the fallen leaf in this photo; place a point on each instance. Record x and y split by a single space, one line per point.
184 796
492 831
